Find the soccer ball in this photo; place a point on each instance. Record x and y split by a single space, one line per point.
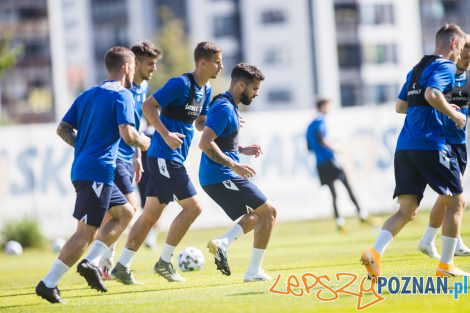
13 248
191 259
57 244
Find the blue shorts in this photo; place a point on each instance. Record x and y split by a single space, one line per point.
414 169
124 176
236 196
94 199
168 180
460 152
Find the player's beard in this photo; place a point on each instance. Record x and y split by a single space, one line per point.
245 99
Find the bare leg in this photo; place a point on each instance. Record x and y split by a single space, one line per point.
152 212
191 210
77 244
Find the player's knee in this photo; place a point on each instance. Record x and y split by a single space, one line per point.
194 211
269 214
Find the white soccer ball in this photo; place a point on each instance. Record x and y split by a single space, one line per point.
13 248
191 259
57 244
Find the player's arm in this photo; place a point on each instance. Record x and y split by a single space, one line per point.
251 150
200 122
132 137
67 133
401 106
137 164
213 152
436 98
150 109
322 140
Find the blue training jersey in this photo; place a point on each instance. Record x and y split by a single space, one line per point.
96 115
316 131
224 121
176 93
139 93
424 125
459 97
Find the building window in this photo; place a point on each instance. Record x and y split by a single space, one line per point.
380 54
381 93
276 56
349 55
350 95
377 14
226 26
346 14
273 16
278 96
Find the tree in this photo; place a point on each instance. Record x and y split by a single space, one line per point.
177 56
7 54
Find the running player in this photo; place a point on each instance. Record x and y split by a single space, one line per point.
101 115
129 160
329 170
421 156
459 96
183 100
226 180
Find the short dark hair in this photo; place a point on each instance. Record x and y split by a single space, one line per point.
321 102
205 50
116 57
246 72
448 32
147 49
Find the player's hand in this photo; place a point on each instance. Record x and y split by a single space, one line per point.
459 120
174 140
251 150
455 106
145 143
244 170
138 169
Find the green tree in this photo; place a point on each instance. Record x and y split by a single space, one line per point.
177 57
8 54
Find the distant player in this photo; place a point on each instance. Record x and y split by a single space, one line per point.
225 179
422 156
328 167
129 161
459 96
101 116
183 101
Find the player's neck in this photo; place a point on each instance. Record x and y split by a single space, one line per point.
236 96
200 78
137 80
121 79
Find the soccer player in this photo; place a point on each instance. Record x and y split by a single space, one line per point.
422 157
101 116
129 161
328 167
226 180
183 100
459 96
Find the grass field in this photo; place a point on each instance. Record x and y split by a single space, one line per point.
296 248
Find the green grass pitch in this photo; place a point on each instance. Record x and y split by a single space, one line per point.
295 248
